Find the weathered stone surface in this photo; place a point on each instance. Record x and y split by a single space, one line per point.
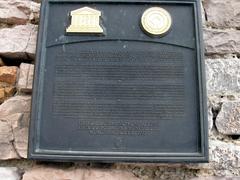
8 74
221 41
9 173
19 124
224 158
228 119
162 171
6 92
210 116
14 119
17 104
2 95
223 76
216 178
25 80
9 91
19 11
223 13
18 42
203 15
77 174
6 141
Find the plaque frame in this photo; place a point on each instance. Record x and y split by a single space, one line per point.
34 152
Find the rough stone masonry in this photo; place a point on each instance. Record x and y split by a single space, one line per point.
18 29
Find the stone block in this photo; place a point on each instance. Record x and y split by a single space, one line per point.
19 124
223 76
224 158
16 104
9 173
19 11
18 42
46 173
203 15
210 116
2 95
14 120
25 79
9 91
228 119
6 92
223 14
8 74
6 141
221 42
216 178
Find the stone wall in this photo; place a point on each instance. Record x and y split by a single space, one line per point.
18 29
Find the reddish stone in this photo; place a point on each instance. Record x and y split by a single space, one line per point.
77 174
2 95
8 74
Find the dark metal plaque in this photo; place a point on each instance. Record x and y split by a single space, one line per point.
119 81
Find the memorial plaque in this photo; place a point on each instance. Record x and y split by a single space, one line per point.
119 80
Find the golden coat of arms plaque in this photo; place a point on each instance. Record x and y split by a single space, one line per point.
85 20
156 21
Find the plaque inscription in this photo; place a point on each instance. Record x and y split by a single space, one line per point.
112 94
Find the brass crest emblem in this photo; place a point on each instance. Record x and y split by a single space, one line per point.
85 20
156 21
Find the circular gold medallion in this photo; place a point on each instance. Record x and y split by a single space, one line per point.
156 21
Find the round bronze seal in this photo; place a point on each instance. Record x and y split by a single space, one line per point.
156 21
